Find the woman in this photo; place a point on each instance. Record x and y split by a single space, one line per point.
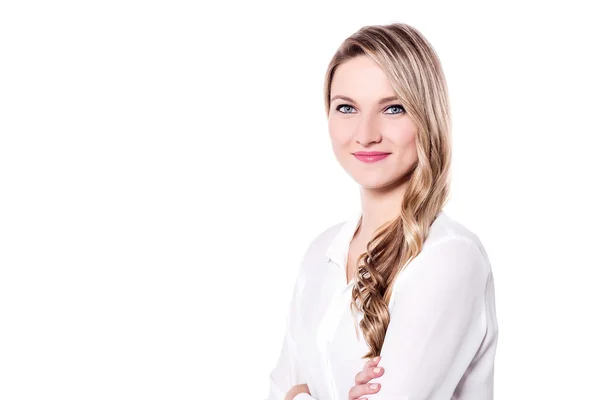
399 286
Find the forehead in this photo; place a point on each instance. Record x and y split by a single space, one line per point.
362 79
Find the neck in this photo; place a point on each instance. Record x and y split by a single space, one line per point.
378 207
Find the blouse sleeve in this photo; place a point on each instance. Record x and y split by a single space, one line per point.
437 317
286 372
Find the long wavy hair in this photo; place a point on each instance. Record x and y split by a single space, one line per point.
416 76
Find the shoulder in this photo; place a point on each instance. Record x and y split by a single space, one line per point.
451 245
318 245
445 227
315 253
452 260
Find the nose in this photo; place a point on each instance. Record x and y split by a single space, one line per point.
367 131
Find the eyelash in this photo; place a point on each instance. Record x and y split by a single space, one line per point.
392 106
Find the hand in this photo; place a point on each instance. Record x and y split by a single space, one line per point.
302 388
361 387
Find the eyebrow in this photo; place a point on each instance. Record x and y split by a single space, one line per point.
382 101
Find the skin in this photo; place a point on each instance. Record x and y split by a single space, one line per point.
302 388
359 122
361 381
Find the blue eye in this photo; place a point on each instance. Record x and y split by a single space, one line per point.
398 107
348 109
338 108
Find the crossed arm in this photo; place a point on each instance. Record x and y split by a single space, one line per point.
436 314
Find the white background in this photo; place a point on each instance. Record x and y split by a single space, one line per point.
163 166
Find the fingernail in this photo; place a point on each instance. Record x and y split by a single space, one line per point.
377 370
373 386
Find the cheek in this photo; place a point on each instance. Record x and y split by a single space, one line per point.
339 132
409 143
403 136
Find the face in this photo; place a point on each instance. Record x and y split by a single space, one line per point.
372 136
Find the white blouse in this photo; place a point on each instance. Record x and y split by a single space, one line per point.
441 340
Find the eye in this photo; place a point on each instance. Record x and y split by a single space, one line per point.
399 109
344 106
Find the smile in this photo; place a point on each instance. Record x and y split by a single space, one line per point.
370 157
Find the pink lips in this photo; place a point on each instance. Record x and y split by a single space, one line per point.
370 156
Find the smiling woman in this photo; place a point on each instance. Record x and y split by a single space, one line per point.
397 302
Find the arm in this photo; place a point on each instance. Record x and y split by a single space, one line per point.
286 372
438 313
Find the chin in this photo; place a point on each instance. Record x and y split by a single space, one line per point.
378 181
374 183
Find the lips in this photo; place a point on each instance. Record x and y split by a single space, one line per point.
370 156
370 153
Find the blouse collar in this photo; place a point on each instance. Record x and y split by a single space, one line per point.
339 246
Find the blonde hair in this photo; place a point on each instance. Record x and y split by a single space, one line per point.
415 73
